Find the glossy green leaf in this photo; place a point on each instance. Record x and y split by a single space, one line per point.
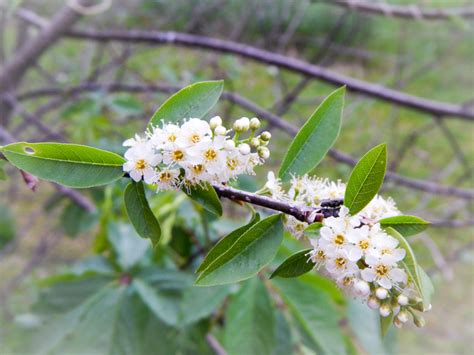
315 138
405 225
193 101
247 256
250 321
206 196
315 312
70 165
422 282
225 243
296 265
366 179
140 214
312 231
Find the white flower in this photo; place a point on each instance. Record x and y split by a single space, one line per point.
193 132
334 233
385 244
215 122
379 208
295 227
134 141
166 179
339 265
317 255
360 241
383 271
141 160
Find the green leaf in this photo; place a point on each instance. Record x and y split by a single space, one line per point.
75 220
312 231
365 323
418 276
250 321
385 324
183 306
7 225
315 138
140 214
192 101
3 175
366 179
70 165
225 243
283 335
129 248
315 312
296 265
206 196
405 225
247 256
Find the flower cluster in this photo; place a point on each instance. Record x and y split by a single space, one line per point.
196 152
354 251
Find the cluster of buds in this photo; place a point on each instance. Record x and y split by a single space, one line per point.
354 251
197 152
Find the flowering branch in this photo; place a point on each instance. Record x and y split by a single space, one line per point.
305 214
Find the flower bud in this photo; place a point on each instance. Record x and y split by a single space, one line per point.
385 310
255 142
397 323
381 293
215 122
229 144
373 302
242 125
265 136
263 152
403 316
244 149
419 321
402 300
220 131
395 309
255 123
362 288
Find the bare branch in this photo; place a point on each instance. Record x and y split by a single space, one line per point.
405 11
439 109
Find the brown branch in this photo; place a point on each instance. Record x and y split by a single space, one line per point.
273 120
405 11
439 109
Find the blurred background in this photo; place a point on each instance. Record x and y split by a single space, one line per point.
94 75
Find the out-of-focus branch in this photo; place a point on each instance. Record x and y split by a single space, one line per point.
405 11
440 109
273 120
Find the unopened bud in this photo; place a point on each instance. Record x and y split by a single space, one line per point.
402 300
403 316
220 131
362 288
397 323
244 149
255 123
395 309
419 321
385 310
215 122
242 124
265 136
263 152
229 145
373 302
255 142
381 293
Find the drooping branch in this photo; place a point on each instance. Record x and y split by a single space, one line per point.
405 11
273 120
